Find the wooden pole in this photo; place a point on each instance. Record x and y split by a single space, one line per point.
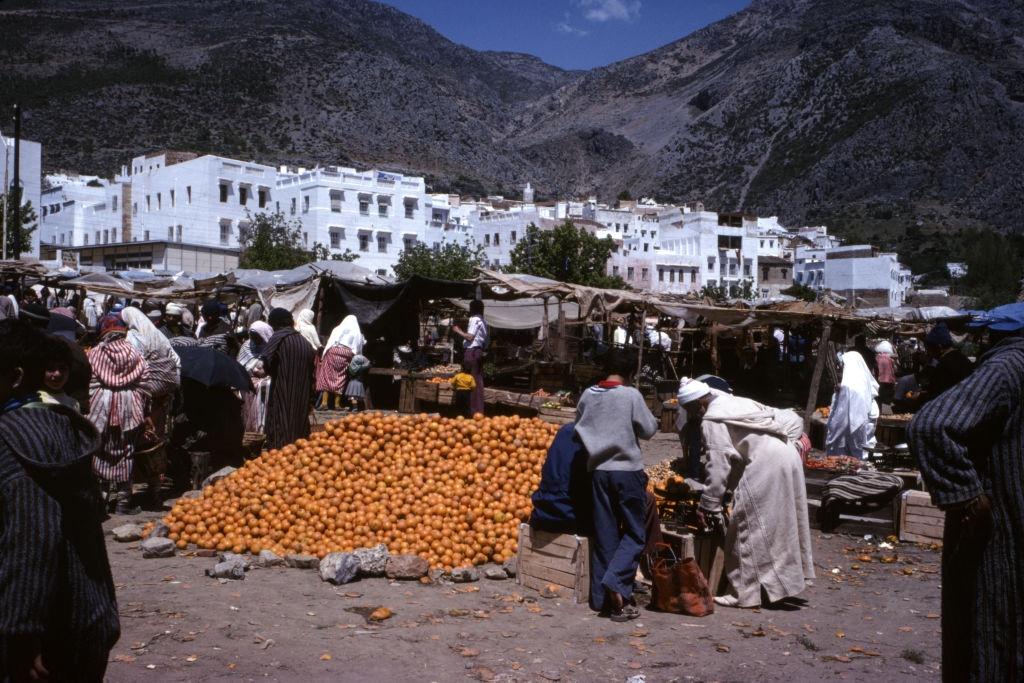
641 333
819 367
561 346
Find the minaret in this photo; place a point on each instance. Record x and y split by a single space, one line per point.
528 194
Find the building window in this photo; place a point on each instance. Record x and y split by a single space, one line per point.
113 203
62 238
643 274
487 240
785 273
305 203
172 199
671 274
106 237
364 243
188 193
159 201
364 206
148 204
223 193
335 239
85 238
145 235
97 237
336 198
382 272
630 272
512 237
711 262
615 271
497 239
225 231
170 233
243 231
135 208
382 244
764 273
382 210
294 203
646 246
661 274
262 197
762 244
243 195
746 268
410 210
113 234
179 233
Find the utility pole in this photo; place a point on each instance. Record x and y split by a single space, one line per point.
16 185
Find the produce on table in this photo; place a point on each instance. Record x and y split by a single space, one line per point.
824 411
839 463
452 491
448 369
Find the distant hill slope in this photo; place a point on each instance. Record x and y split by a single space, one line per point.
874 116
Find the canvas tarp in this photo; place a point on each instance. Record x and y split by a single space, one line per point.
521 314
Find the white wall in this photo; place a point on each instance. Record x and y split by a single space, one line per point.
31 177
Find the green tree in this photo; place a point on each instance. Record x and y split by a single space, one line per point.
447 262
801 291
321 252
272 243
23 218
624 196
994 265
567 254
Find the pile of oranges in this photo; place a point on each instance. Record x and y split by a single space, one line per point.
452 491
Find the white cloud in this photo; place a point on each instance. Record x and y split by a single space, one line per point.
566 27
610 10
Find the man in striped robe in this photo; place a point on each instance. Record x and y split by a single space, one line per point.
58 613
969 443
289 361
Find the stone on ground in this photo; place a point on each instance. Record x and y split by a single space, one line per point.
465 575
244 560
268 558
302 561
157 547
126 533
372 561
233 569
510 567
339 568
406 567
495 573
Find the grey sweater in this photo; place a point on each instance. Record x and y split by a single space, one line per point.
611 422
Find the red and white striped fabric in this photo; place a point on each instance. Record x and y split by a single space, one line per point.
117 405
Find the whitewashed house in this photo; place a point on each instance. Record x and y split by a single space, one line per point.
30 175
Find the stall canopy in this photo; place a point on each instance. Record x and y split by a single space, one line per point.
521 314
1005 318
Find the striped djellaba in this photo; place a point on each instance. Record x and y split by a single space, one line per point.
289 360
969 441
55 582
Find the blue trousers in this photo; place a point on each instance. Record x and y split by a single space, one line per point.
620 510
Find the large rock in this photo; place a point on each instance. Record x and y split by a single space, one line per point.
157 547
465 575
243 560
339 568
511 567
372 561
495 573
126 533
160 530
268 558
234 570
406 567
217 476
302 561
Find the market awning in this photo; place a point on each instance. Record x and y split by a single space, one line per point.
521 314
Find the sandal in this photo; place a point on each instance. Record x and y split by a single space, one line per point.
627 613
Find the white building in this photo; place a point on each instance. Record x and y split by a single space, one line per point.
79 211
865 276
708 249
31 178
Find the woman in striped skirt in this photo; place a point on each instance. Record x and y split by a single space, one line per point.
118 400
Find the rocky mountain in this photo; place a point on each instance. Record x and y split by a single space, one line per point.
876 116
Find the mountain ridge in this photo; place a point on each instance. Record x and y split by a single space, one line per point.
877 117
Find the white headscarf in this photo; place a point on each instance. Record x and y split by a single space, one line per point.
304 325
147 340
89 309
349 334
851 420
691 390
884 347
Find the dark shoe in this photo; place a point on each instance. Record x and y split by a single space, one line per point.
627 613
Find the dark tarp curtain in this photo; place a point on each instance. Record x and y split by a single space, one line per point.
389 311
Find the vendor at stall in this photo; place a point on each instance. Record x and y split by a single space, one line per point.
948 367
854 411
475 338
755 451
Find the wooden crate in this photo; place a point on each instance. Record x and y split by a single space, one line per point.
558 416
445 394
920 521
709 551
407 396
669 412
561 559
426 391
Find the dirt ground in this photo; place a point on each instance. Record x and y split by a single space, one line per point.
866 620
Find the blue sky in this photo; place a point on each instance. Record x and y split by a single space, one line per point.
573 34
